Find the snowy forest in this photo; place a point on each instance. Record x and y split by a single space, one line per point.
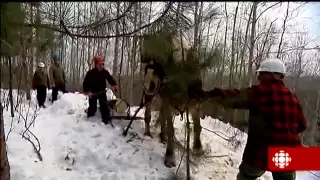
243 34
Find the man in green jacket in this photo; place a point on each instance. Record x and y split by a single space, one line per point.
275 118
57 78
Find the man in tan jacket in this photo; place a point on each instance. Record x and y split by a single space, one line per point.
57 78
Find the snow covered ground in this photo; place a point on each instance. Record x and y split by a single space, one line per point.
76 148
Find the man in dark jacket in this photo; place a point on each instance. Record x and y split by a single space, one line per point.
94 86
40 82
275 118
57 78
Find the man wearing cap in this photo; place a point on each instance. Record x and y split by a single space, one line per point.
40 82
275 118
57 78
94 86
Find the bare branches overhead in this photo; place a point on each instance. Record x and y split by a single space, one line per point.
102 22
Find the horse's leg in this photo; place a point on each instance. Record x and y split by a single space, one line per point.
169 160
195 113
162 119
147 116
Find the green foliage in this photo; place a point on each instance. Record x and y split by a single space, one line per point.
153 43
15 36
47 39
212 57
11 13
181 73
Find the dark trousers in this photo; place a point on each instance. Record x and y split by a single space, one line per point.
55 91
41 95
104 109
247 172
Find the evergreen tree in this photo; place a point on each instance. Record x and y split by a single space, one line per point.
11 14
181 73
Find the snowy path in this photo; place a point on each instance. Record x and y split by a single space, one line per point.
76 148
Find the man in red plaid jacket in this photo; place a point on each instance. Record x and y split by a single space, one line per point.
275 118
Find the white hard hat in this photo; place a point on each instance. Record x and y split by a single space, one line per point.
41 64
272 65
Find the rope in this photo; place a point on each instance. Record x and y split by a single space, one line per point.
181 111
186 134
125 132
185 143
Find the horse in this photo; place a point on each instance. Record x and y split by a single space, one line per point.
174 97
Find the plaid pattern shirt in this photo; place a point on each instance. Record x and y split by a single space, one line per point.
275 118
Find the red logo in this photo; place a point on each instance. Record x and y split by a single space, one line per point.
281 159
294 159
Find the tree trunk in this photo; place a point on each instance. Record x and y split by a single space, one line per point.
252 41
283 31
134 53
124 39
116 44
38 21
28 71
4 163
196 27
224 48
245 46
233 47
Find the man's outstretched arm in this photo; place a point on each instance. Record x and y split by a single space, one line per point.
229 98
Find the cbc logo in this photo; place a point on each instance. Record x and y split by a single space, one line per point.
281 159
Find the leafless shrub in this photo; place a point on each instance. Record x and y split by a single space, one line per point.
29 115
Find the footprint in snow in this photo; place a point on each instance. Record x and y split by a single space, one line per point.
74 142
71 111
64 133
78 129
109 176
96 135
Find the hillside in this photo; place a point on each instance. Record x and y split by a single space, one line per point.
76 148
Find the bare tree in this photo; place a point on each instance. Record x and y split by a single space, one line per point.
4 162
252 41
116 44
283 30
233 47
